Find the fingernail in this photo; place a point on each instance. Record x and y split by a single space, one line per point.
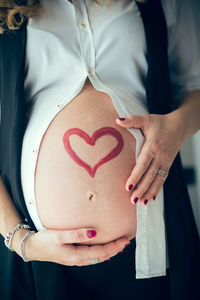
136 199
91 233
130 187
127 245
107 259
154 198
122 119
145 201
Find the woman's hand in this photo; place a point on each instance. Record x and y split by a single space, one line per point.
164 136
58 246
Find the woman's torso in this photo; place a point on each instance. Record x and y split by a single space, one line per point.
62 187
116 56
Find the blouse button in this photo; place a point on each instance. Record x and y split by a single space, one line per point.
35 151
89 71
60 106
83 25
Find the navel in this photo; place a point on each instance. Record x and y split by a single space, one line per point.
91 196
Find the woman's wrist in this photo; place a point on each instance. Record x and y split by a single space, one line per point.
177 124
180 119
16 242
187 114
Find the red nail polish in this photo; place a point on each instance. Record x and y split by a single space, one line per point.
121 119
107 259
145 201
136 199
130 187
127 244
91 233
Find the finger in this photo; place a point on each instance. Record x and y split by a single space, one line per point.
156 185
117 252
82 261
69 256
142 164
82 255
102 250
145 182
136 121
80 235
88 261
104 258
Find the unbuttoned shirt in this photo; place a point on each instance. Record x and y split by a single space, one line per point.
69 42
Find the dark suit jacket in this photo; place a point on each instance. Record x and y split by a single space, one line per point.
182 234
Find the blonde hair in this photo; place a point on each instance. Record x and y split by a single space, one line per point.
13 14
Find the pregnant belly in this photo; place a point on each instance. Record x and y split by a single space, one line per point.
83 163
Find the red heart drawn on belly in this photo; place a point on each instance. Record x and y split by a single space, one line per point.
91 141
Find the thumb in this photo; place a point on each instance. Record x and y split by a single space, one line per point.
75 235
137 121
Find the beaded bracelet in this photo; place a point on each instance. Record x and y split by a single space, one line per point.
9 235
23 244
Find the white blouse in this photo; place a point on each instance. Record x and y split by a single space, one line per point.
70 41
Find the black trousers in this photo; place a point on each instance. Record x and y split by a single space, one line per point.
115 279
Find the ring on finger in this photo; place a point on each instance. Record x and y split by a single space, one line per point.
162 173
95 260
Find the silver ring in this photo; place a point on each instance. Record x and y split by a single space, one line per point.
162 173
95 260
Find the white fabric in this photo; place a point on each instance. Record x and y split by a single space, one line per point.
111 50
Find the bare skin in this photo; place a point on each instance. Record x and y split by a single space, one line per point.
164 136
62 245
83 163
91 141
54 245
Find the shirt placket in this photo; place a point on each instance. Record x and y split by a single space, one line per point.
142 253
87 47
85 37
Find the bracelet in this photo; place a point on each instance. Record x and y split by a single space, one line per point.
9 235
23 244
